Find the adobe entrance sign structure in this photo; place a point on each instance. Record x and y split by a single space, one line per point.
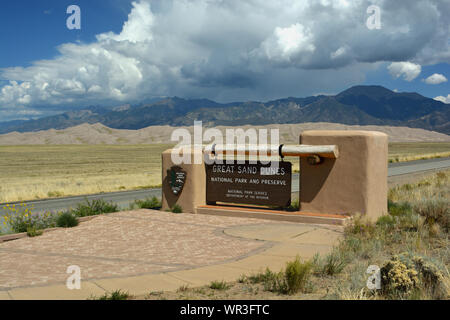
342 173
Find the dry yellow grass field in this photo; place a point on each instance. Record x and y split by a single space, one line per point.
35 172
399 152
45 171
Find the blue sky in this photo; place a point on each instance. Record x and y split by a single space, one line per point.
231 50
31 30
382 77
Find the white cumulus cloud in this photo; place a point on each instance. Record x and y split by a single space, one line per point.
443 99
288 44
233 50
137 28
407 70
436 78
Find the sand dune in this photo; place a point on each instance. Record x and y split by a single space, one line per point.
100 134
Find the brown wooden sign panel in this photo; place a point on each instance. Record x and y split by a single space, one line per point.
246 183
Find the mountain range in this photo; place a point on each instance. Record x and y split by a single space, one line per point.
359 105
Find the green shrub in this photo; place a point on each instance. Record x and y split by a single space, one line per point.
152 203
430 274
352 244
176 209
293 279
332 264
94 207
409 276
277 283
67 220
32 232
265 277
386 222
297 274
408 222
397 280
115 295
434 212
20 218
219 285
398 209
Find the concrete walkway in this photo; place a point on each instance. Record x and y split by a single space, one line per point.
147 251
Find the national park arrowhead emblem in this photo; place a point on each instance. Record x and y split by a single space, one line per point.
177 178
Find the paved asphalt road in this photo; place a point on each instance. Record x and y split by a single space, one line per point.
125 198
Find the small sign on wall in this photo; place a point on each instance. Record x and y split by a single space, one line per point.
177 179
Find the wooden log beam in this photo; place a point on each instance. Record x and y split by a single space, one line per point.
327 151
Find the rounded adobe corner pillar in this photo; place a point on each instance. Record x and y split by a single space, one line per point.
355 182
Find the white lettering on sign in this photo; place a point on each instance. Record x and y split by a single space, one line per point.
273 182
223 169
272 171
220 179
265 171
249 183
247 170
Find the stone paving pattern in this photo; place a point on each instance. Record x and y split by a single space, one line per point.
123 244
144 251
